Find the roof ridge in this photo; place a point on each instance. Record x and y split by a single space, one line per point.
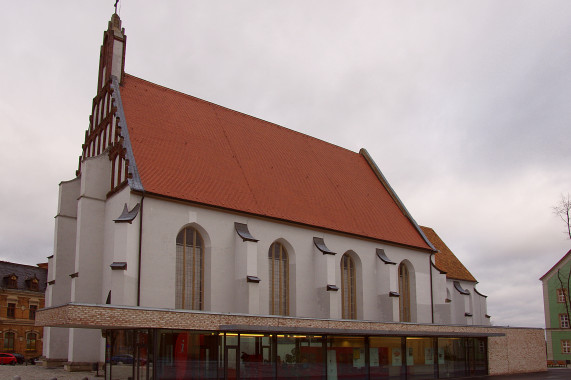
238 112
22 265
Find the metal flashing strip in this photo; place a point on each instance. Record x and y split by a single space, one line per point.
118 265
480 294
254 279
333 331
243 232
394 294
460 289
134 180
320 244
383 256
128 216
332 288
363 152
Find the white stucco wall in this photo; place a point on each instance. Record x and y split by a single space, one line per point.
89 244
225 276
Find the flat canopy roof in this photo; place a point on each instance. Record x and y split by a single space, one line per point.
353 332
97 316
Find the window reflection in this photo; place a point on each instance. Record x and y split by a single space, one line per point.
385 358
300 357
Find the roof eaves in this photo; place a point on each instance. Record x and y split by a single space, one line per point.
290 222
135 180
363 152
557 264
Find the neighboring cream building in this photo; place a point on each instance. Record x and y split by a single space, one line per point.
205 242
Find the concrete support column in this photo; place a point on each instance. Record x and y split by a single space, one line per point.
81 354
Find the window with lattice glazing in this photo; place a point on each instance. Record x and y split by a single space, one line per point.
33 309
561 295
31 341
566 346
189 291
348 288
9 341
11 310
564 321
404 291
279 279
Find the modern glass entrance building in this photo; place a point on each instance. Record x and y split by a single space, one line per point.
163 354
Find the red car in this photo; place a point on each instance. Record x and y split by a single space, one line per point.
7 359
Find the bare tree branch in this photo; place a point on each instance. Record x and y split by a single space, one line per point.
563 210
565 294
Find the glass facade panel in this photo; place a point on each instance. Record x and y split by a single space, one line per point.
257 356
143 355
477 356
385 358
451 357
420 358
185 354
165 354
300 357
346 358
122 354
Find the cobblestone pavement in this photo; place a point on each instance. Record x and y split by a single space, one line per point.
37 372
551 374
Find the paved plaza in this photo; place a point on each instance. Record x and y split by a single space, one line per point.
8 372
37 372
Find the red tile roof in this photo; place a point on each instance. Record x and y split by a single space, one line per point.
189 149
445 259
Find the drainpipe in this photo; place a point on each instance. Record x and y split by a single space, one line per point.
431 288
140 251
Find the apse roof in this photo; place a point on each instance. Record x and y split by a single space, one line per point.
445 258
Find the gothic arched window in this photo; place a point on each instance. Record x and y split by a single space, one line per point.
348 288
404 291
279 279
189 270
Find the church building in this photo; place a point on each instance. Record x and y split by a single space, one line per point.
196 241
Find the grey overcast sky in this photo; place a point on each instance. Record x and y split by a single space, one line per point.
464 105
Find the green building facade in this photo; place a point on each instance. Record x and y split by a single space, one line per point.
557 307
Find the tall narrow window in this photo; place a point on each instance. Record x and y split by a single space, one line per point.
279 279
404 291
9 341
31 341
561 295
189 270
566 346
11 310
348 288
33 309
